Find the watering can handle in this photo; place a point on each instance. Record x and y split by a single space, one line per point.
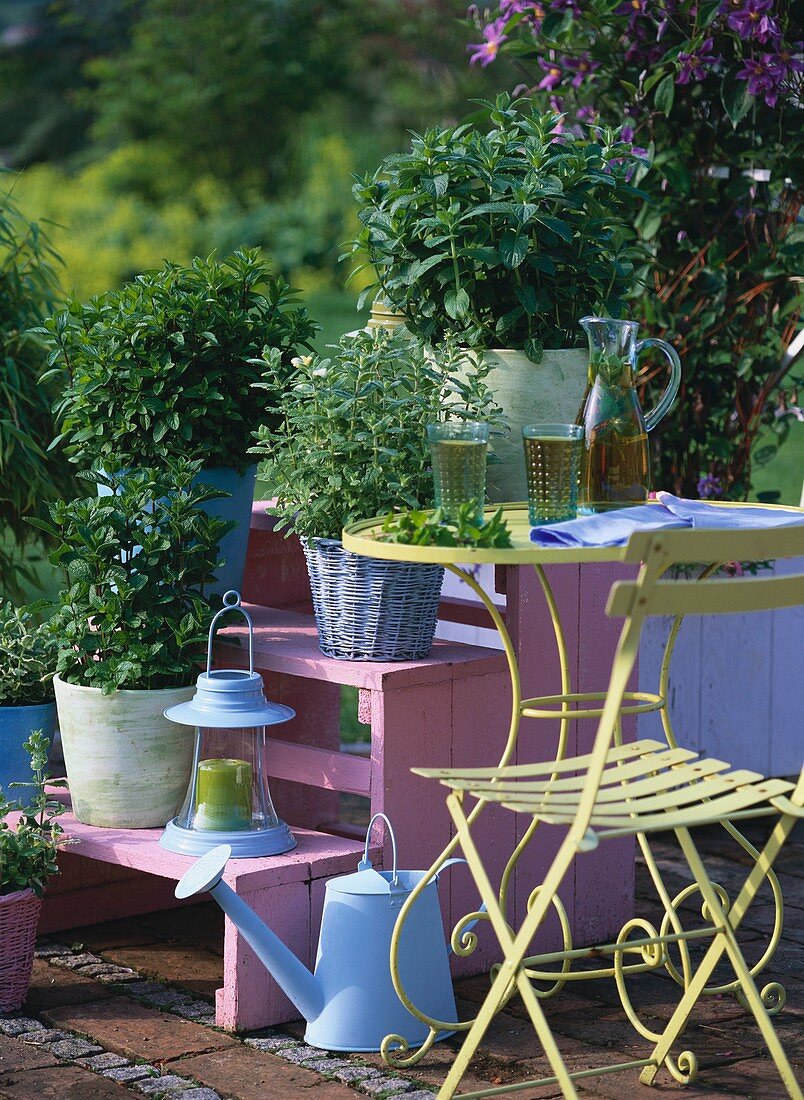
232 605
443 867
662 406
365 862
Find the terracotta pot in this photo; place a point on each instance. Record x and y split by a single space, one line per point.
19 920
128 767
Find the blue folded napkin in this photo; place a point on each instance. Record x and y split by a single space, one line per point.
616 527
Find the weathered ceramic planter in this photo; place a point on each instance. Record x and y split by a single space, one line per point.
550 392
16 726
19 920
127 765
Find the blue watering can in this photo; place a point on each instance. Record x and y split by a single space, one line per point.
350 1003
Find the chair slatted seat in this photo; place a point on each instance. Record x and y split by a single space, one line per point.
698 784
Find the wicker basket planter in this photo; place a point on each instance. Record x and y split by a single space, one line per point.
371 610
19 919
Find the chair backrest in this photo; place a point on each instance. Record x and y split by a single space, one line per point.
659 550
650 595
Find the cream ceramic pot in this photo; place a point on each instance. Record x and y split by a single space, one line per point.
548 392
127 765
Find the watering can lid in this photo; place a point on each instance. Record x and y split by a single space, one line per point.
364 883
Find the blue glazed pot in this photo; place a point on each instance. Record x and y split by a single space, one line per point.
16 726
236 506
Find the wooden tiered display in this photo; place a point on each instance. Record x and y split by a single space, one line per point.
451 708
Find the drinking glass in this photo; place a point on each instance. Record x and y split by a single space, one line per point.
459 450
553 455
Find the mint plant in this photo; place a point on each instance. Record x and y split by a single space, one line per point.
164 367
28 653
419 528
353 441
505 237
133 613
28 852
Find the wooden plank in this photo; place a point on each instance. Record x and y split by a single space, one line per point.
786 732
335 771
287 643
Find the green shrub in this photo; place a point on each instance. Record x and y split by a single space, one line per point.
27 657
29 476
136 565
165 367
353 441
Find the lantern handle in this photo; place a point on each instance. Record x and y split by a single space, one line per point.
232 605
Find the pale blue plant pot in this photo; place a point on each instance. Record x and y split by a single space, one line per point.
16 726
236 506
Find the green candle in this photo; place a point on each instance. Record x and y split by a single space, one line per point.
223 795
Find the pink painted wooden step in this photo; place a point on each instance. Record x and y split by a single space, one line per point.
287 891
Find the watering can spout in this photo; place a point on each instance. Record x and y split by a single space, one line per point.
292 976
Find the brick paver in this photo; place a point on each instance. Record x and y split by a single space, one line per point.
60 1083
252 1074
128 1028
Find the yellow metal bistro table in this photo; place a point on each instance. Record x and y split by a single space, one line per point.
364 538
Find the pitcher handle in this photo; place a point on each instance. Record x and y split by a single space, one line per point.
662 406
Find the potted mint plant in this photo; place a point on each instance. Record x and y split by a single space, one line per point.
352 444
164 368
28 853
27 663
503 238
132 624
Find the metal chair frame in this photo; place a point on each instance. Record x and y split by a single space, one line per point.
634 789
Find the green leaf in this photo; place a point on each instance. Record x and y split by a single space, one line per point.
556 24
735 97
665 94
513 249
559 227
456 303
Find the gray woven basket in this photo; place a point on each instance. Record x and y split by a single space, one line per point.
371 610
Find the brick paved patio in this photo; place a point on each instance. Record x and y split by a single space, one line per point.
124 1008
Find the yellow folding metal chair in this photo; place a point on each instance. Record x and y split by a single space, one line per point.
636 789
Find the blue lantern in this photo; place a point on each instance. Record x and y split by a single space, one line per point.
228 800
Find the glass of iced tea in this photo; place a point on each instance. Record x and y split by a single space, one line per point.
459 450
553 455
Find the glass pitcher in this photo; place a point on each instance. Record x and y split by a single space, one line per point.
616 462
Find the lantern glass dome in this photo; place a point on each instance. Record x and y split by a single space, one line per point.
228 800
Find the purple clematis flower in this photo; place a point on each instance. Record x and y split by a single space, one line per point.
764 75
695 64
553 75
753 20
633 9
709 487
582 66
567 5
485 52
589 115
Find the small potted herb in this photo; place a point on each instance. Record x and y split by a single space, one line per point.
27 663
503 238
353 444
27 860
132 624
163 369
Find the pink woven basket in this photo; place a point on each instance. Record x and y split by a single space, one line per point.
19 920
